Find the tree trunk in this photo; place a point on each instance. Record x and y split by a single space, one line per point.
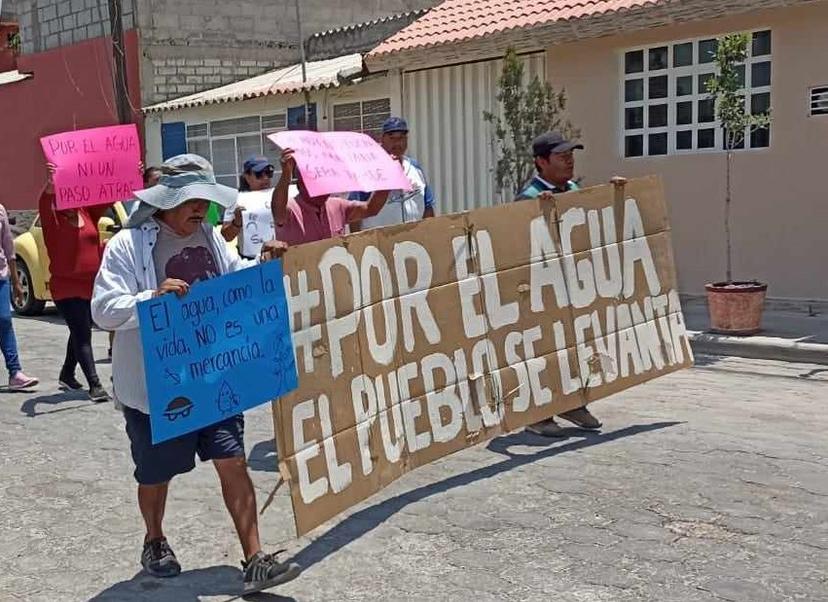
727 217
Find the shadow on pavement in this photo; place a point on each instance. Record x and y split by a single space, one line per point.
49 315
263 457
189 586
54 399
362 522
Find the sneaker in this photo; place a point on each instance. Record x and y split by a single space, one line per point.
263 571
69 383
158 559
20 381
547 428
582 418
98 394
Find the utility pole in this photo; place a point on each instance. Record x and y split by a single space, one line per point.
119 70
304 63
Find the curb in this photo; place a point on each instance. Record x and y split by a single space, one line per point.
758 347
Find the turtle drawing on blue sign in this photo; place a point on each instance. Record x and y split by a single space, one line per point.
178 408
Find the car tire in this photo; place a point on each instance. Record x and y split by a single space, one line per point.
32 306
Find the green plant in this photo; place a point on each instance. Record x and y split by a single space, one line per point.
528 110
726 89
14 41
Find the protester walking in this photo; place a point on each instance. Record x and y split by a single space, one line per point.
74 248
555 165
257 176
10 286
403 206
168 228
304 218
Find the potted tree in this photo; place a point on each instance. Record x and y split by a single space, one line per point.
735 306
526 110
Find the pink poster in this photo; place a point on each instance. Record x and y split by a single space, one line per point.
331 162
94 166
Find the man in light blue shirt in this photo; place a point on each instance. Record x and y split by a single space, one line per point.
403 206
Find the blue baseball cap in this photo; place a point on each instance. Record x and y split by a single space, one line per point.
394 124
256 164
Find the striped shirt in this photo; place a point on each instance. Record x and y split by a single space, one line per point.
537 185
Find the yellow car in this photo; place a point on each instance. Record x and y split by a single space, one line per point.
33 260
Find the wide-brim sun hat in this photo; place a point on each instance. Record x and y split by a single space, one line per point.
183 178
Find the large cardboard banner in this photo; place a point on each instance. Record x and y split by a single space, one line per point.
222 348
95 166
416 341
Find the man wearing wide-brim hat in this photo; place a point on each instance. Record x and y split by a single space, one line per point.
165 248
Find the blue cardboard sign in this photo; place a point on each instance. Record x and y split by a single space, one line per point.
223 348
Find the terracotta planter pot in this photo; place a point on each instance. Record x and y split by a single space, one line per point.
736 307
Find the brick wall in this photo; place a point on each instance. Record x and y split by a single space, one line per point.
47 24
193 45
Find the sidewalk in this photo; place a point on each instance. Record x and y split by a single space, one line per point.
787 335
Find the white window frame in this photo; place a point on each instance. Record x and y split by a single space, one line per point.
694 70
361 102
816 96
261 132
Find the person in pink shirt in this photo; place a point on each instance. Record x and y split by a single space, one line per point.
308 219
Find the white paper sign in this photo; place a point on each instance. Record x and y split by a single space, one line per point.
257 221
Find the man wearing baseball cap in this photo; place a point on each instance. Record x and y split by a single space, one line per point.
555 164
165 248
403 205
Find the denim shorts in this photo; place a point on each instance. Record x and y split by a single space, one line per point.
156 464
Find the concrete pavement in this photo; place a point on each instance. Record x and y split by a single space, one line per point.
710 484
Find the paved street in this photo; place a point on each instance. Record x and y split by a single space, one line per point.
710 484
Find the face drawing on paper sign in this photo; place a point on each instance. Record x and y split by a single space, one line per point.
227 400
192 264
178 408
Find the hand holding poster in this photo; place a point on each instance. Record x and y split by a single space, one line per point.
223 348
332 162
414 342
95 166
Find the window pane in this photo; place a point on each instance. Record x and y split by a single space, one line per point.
634 62
683 54
706 138
760 138
248 146
707 111
760 74
684 85
760 103
658 144
740 75
231 181
657 117
197 131
658 86
274 122
272 153
761 43
634 146
684 113
347 124
703 79
235 126
382 105
199 147
633 90
739 143
684 140
224 157
634 118
707 50
375 121
658 58
351 109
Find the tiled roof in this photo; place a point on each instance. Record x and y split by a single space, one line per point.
460 20
287 80
412 14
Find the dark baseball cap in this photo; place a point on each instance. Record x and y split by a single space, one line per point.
553 142
394 124
256 164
